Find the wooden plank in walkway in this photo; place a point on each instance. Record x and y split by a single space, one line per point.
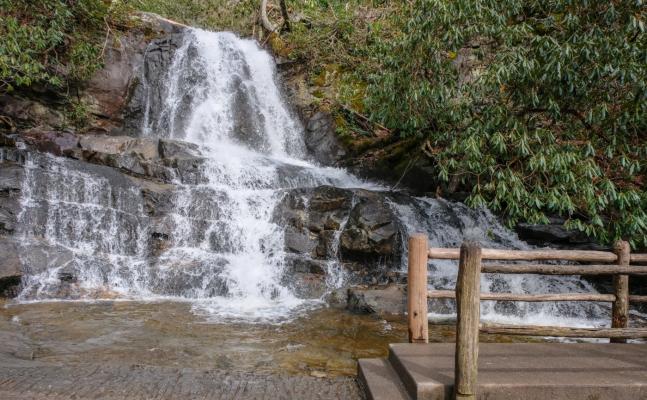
529 371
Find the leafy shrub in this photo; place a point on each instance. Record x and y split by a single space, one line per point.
535 107
53 42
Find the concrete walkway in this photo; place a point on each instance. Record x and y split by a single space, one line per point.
24 380
528 371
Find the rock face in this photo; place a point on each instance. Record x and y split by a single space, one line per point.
151 158
147 102
321 139
312 217
128 180
110 92
10 183
325 227
353 227
555 234
126 184
10 266
109 95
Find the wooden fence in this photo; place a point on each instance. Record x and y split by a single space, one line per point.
620 264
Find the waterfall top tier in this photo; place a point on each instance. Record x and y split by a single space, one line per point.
222 90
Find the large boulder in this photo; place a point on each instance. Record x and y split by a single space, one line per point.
31 112
388 299
312 217
177 149
146 149
49 141
557 235
136 156
372 231
162 160
10 267
351 228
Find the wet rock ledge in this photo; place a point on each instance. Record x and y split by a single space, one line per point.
328 230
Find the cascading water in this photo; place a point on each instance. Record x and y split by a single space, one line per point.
78 221
458 223
225 253
247 134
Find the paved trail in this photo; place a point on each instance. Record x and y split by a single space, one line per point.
24 378
33 380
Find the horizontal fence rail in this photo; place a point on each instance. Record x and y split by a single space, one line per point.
558 331
542 269
450 294
638 258
468 296
609 298
528 255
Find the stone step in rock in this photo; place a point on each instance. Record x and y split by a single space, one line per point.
380 381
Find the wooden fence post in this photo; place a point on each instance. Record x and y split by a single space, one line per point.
417 289
468 291
620 312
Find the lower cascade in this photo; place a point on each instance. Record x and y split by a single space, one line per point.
224 208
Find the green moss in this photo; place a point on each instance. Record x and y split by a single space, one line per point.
77 114
278 45
318 93
319 79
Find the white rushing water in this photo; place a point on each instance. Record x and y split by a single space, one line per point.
459 223
227 254
245 130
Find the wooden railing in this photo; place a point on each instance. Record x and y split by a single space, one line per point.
468 296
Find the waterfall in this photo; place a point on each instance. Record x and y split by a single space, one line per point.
225 253
222 96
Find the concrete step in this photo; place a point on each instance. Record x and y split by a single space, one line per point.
441 387
380 380
528 371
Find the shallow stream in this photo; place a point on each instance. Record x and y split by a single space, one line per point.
324 343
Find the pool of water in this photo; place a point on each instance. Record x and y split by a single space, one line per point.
326 342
